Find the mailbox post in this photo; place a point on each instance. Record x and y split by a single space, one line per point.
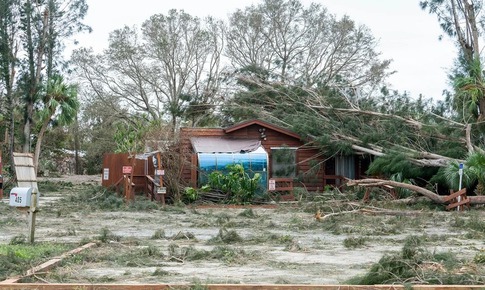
26 198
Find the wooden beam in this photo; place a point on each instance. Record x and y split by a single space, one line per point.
456 204
454 195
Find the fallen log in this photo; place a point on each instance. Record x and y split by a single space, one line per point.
379 182
440 199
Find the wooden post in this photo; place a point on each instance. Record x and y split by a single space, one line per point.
128 180
159 163
32 214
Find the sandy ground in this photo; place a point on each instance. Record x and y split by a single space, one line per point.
284 244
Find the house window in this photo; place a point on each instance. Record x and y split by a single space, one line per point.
345 166
283 162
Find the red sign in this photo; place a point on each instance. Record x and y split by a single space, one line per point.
127 169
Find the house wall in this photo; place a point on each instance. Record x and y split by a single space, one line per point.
310 173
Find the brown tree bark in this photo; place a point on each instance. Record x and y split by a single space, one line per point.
368 182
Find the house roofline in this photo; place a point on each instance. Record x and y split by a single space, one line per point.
263 124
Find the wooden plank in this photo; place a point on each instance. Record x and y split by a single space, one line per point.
454 195
88 286
453 205
288 188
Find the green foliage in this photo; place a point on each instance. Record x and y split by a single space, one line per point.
415 264
479 258
106 236
129 137
394 163
237 183
16 258
473 171
191 194
401 192
226 237
159 234
354 242
249 213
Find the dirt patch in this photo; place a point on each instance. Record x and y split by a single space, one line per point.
280 243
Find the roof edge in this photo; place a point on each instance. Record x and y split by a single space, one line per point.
261 123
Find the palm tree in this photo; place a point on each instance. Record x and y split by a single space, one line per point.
473 172
470 89
60 105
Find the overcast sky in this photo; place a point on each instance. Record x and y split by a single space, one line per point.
406 34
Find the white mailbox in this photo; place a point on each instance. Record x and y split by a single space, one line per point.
21 196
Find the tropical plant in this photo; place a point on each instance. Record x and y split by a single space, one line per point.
237 183
473 172
59 107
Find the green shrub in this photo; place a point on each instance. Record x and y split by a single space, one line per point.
354 242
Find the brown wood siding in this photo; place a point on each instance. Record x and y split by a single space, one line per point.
115 162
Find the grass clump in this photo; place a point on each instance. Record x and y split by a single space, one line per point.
160 272
355 242
183 236
248 213
18 240
190 253
158 235
226 237
479 258
106 236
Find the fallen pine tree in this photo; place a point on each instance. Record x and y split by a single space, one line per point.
440 199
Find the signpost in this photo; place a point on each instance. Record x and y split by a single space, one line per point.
460 172
162 189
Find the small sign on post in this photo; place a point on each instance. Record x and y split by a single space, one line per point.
105 173
127 169
272 184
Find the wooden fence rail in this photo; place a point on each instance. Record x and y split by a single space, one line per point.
458 200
